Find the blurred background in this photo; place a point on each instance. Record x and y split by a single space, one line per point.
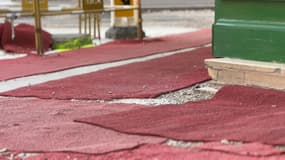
160 17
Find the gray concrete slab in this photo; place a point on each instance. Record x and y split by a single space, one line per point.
162 4
176 4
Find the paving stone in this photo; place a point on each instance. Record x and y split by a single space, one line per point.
246 72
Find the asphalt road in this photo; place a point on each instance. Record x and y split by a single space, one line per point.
153 4
178 4
175 4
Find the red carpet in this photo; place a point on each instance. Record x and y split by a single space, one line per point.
46 125
24 40
162 152
110 52
139 80
1 33
247 149
235 113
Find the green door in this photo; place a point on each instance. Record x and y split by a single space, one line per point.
250 29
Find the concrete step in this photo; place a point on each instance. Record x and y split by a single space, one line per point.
246 72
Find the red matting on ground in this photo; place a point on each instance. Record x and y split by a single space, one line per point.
235 113
163 152
138 80
114 51
246 149
23 40
33 125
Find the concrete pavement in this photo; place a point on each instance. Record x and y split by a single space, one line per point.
177 4
160 4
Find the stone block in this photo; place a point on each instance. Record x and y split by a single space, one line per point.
246 72
122 33
265 80
245 65
227 76
213 73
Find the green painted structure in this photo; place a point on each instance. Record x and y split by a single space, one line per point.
250 29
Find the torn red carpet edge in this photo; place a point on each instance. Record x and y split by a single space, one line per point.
245 149
138 80
235 113
114 51
162 152
23 40
33 125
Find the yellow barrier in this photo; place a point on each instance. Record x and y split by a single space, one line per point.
127 13
88 19
93 4
27 5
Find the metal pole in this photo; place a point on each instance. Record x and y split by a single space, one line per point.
139 27
85 23
38 27
98 21
94 26
80 18
89 24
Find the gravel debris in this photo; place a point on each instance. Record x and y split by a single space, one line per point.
25 155
148 102
182 144
228 142
12 156
197 92
3 150
281 148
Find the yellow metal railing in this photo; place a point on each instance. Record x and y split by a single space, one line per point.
28 4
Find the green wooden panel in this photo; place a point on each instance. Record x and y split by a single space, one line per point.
250 29
261 10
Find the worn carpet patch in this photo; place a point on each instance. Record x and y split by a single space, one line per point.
110 52
162 152
235 113
33 125
138 80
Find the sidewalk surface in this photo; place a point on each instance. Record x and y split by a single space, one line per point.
237 123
